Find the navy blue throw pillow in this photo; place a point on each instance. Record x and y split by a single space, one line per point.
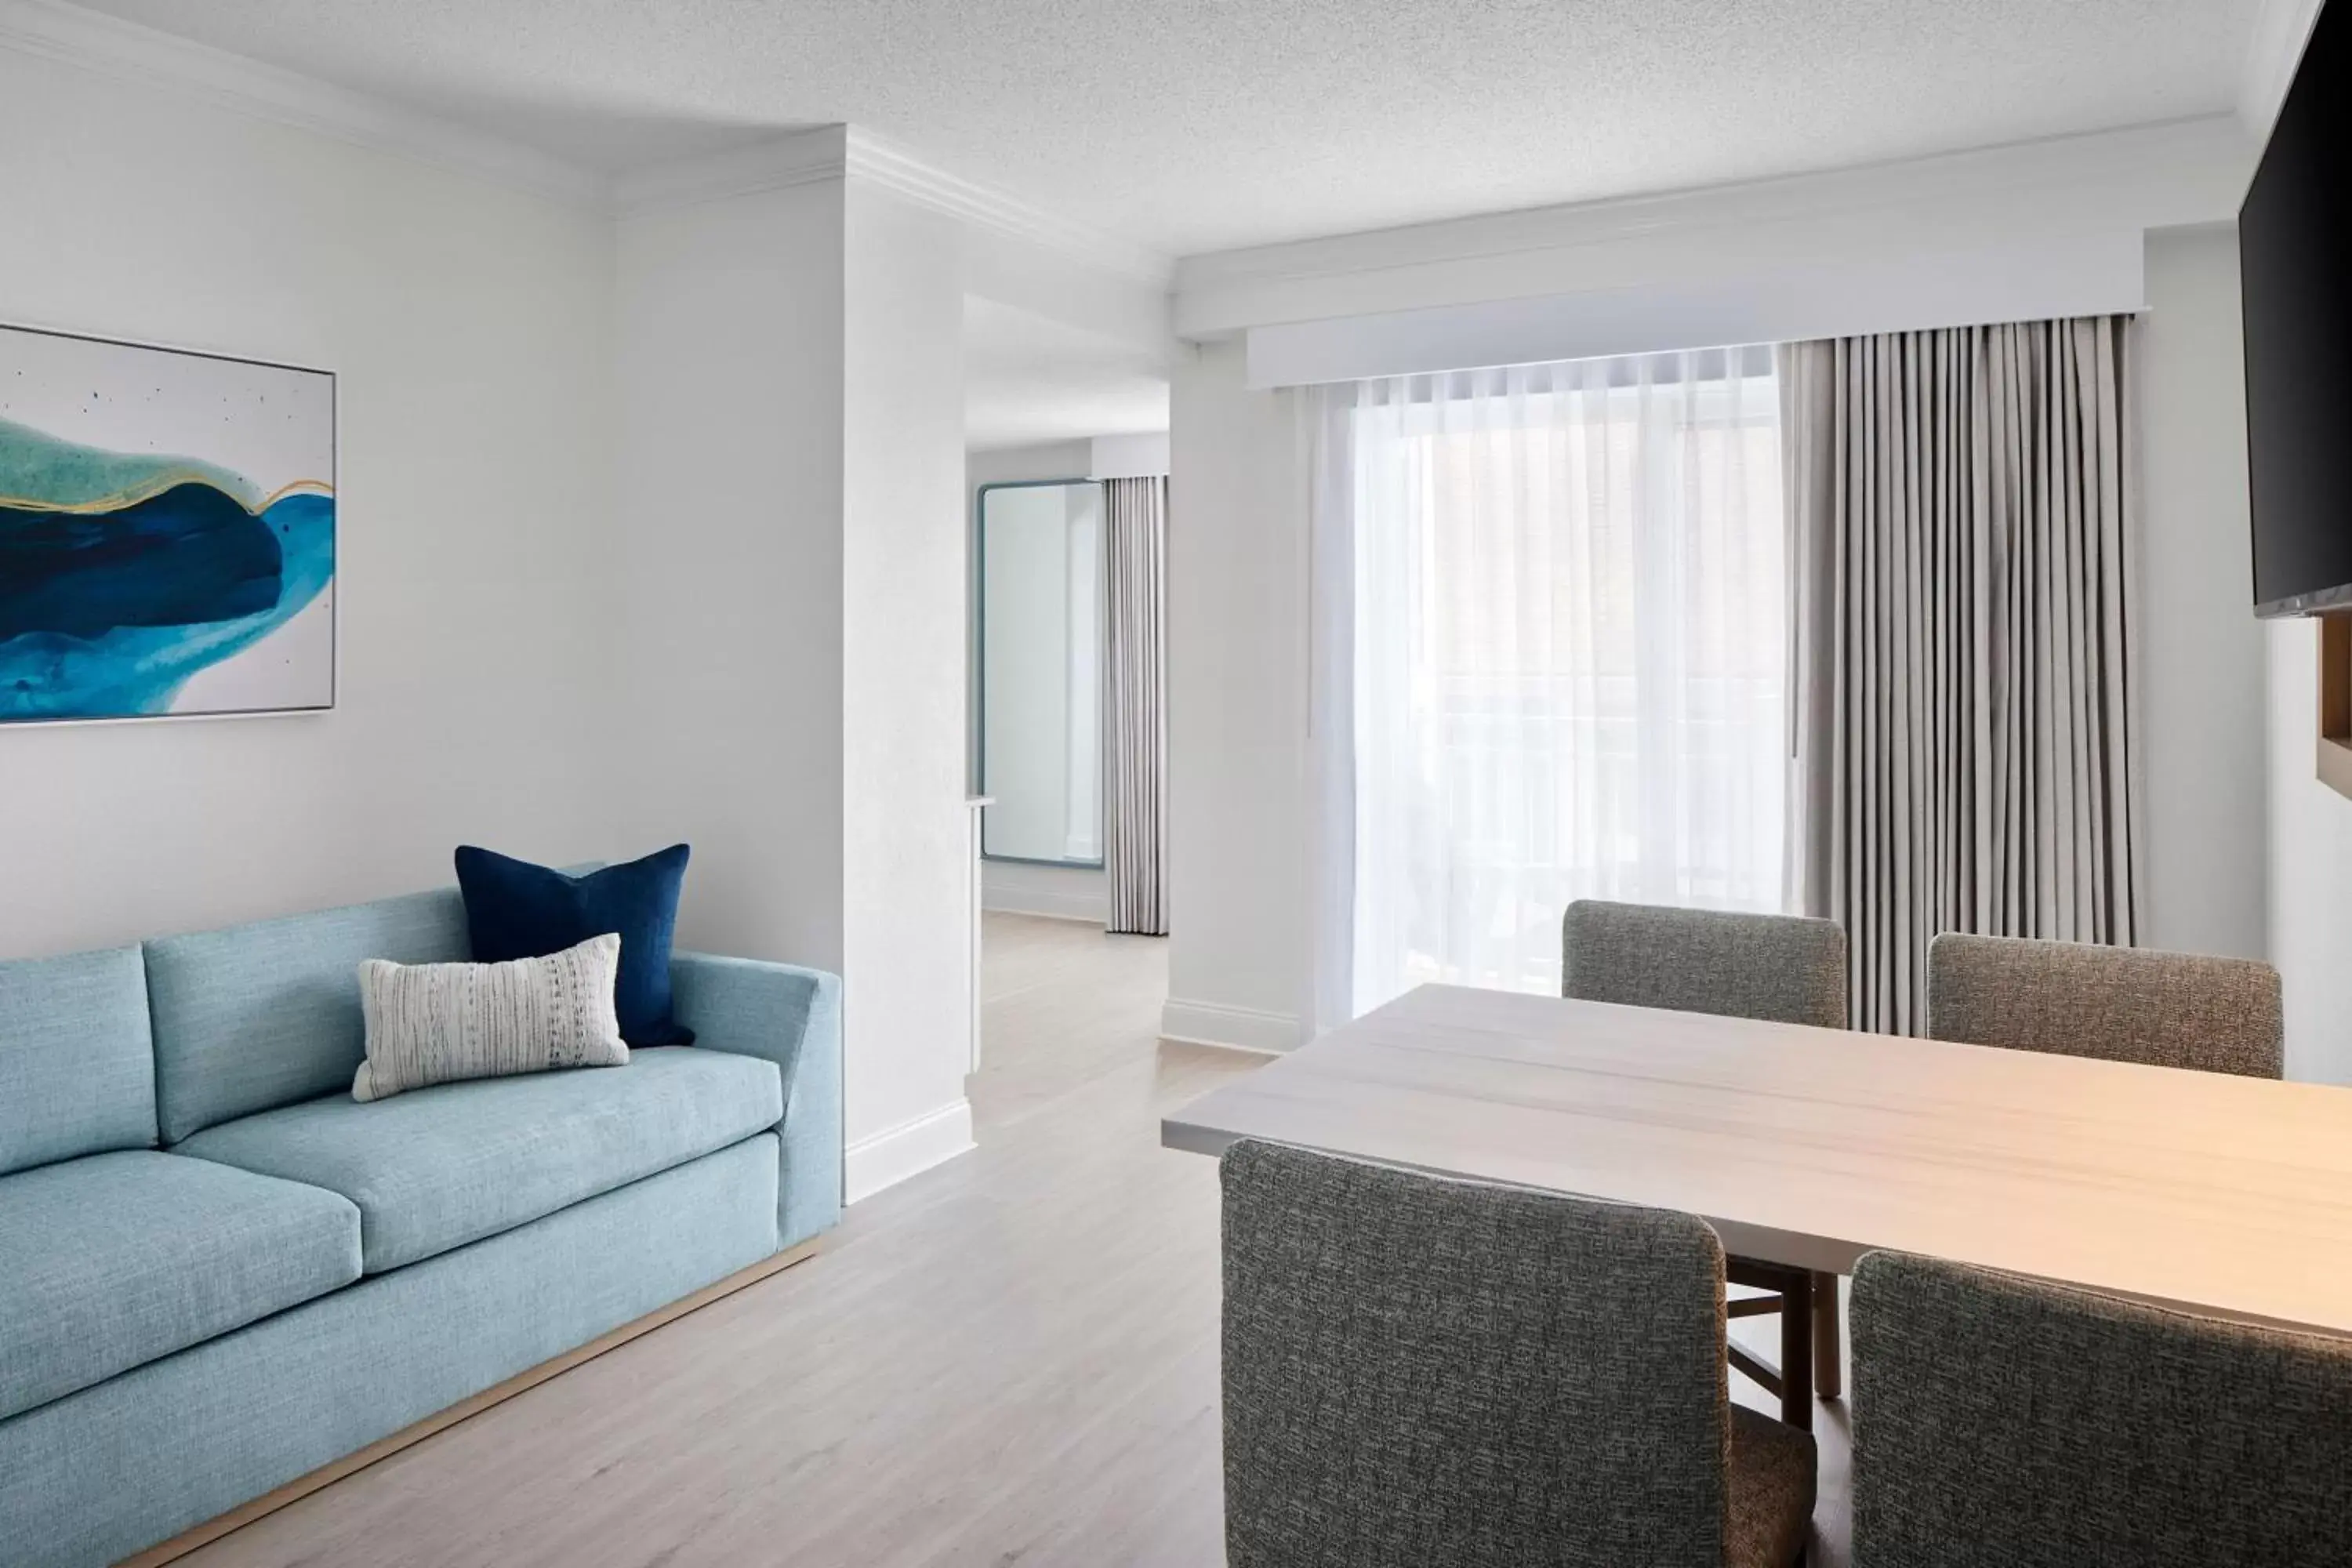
517 910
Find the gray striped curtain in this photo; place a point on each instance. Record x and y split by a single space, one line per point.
1960 508
1136 537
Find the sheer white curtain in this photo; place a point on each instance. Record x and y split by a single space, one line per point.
1552 651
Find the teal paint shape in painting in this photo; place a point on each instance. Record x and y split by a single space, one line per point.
167 532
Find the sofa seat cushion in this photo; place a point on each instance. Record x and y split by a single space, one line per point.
113 1260
435 1168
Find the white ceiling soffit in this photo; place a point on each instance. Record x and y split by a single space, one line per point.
2059 276
1136 456
1994 200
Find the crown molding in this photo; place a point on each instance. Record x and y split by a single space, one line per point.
896 169
773 163
845 151
127 51
2281 28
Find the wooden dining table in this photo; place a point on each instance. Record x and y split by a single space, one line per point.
2226 1196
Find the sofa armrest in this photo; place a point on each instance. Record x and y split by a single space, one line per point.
791 1016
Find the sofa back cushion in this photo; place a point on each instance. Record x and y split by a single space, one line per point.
257 1016
77 1073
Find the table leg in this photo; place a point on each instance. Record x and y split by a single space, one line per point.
1797 1351
1829 1362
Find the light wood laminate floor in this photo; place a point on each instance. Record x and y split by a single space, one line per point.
1010 1359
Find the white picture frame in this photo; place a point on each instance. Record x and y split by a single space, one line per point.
169 537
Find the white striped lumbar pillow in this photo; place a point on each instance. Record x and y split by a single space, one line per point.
434 1022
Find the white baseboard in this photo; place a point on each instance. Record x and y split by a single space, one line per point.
1092 907
1062 892
1239 1029
884 1159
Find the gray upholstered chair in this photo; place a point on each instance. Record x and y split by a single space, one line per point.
2002 1420
2119 1004
1783 968
1423 1371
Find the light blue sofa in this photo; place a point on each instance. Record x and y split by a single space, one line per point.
218 1272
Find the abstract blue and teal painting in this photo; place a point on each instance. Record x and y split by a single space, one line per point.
167 532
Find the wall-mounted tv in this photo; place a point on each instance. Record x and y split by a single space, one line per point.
2294 245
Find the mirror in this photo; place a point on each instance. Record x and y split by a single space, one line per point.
1041 646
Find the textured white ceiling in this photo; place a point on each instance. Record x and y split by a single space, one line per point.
1190 125
1028 379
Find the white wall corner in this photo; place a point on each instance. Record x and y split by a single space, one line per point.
885 1159
901 170
128 51
2281 28
840 152
1238 1028
775 163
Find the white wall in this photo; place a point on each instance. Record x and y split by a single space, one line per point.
729 367
2310 825
1242 937
1237 744
907 905
2247 852
2310 865
470 325
1008 465
2200 651
2022 226
650 529
791 464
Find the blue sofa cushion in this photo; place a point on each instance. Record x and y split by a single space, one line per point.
435 1168
261 1015
77 1075
516 910
113 1260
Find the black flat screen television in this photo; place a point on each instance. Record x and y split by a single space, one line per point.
2294 248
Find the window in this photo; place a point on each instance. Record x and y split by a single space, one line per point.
1568 651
